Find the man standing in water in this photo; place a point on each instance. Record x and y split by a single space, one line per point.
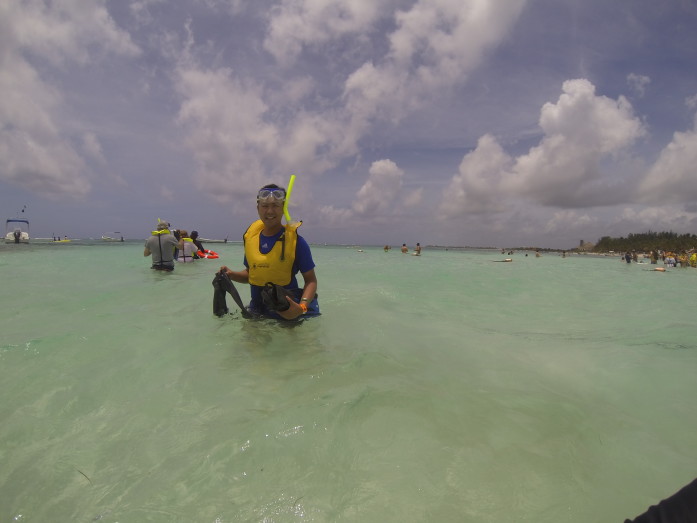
275 253
161 246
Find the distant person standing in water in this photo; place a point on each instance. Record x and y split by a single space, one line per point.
628 257
417 249
405 249
187 248
161 247
197 242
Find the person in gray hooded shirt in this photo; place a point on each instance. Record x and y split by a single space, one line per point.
161 246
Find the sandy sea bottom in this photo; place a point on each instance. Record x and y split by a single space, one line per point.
444 387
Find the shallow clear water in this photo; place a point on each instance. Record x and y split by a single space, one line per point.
436 388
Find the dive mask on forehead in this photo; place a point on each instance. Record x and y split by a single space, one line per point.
267 195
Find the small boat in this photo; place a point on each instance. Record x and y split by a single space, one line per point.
208 240
17 231
117 237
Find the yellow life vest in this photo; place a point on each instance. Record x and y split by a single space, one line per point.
161 231
184 255
277 265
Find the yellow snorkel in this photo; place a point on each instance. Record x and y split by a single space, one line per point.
288 193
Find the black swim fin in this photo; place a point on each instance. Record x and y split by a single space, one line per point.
219 306
274 297
223 285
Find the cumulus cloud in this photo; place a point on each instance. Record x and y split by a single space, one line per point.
226 130
476 187
236 144
380 199
582 132
435 44
36 151
672 177
241 131
383 184
33 153
334 217
661 218
294 24
67 31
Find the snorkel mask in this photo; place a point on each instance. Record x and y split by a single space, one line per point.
271 194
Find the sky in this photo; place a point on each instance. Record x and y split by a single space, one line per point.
444 122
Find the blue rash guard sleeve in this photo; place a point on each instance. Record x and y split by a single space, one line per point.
303 256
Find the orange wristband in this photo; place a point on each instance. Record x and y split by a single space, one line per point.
303 306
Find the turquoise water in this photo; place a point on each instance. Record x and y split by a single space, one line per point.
436 388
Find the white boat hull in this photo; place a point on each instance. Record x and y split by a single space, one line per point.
23 237
17 230
117 237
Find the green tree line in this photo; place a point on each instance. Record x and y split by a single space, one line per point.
648 241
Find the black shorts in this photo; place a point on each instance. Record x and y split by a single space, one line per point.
166 268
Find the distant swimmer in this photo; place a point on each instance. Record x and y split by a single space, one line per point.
417 249
405 249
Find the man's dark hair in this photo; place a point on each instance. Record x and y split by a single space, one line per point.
272 186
